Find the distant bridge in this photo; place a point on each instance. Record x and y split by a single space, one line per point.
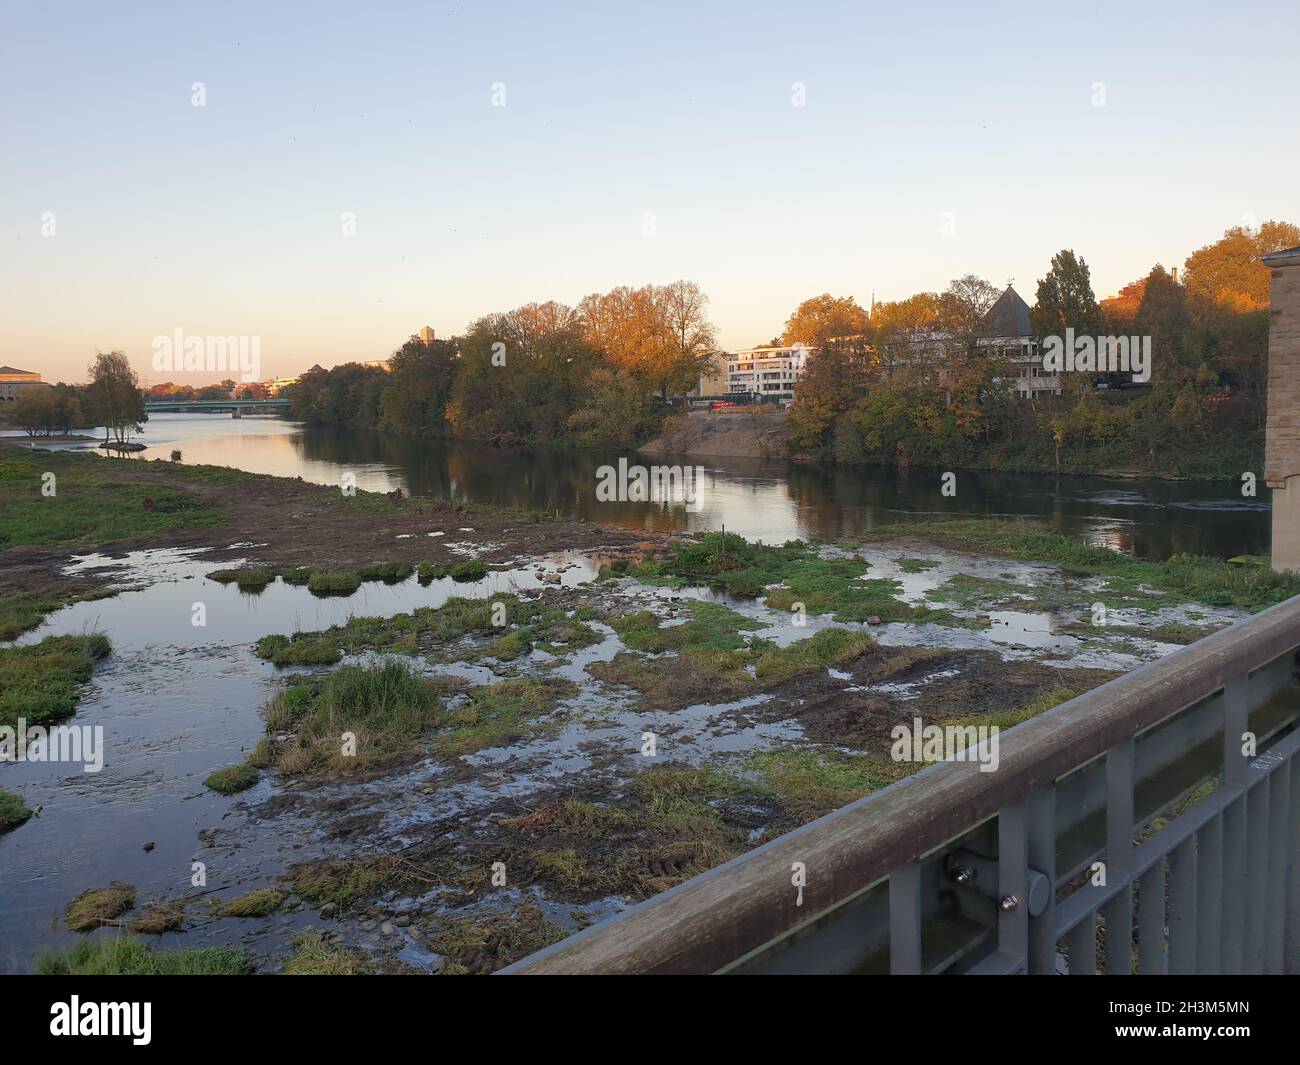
181 406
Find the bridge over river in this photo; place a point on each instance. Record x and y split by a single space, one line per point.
187 406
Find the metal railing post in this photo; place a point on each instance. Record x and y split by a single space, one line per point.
1118 912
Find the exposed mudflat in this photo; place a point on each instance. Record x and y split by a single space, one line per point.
617 734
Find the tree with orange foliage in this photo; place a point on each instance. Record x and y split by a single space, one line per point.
1229 271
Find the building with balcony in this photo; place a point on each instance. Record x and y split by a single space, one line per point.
769 375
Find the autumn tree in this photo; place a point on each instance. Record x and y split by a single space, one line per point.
692 338
1119 311
660 333
823 318
1229 271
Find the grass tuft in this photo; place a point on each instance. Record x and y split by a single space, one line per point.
233 778
130 957
99 906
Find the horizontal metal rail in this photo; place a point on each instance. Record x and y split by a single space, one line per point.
956 870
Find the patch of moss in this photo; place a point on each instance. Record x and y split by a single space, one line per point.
348 882
809 783
431 571
1037 704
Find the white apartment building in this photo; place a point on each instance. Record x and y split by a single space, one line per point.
770 374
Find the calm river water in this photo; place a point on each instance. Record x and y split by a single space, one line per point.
770 501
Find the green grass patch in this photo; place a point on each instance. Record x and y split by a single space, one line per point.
713 627
233 778
249 578
426 628
826 648
428 572
501 713
293 651
731 563
89 507
388 572
127 956
24 611
42 682
344 883
386 708
809 783
472 569
1182 578
13 811
333 582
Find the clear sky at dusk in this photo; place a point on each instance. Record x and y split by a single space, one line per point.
226 219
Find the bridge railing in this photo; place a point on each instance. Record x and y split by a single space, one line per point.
1149 825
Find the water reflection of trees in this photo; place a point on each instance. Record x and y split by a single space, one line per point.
1152 519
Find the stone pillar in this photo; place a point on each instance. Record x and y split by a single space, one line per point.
1282 436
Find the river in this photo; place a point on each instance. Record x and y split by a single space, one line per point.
1145 517
176 702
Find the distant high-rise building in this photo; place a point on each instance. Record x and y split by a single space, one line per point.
426 336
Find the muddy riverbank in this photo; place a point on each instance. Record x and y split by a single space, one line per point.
591 719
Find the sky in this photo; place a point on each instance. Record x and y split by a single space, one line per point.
767 151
